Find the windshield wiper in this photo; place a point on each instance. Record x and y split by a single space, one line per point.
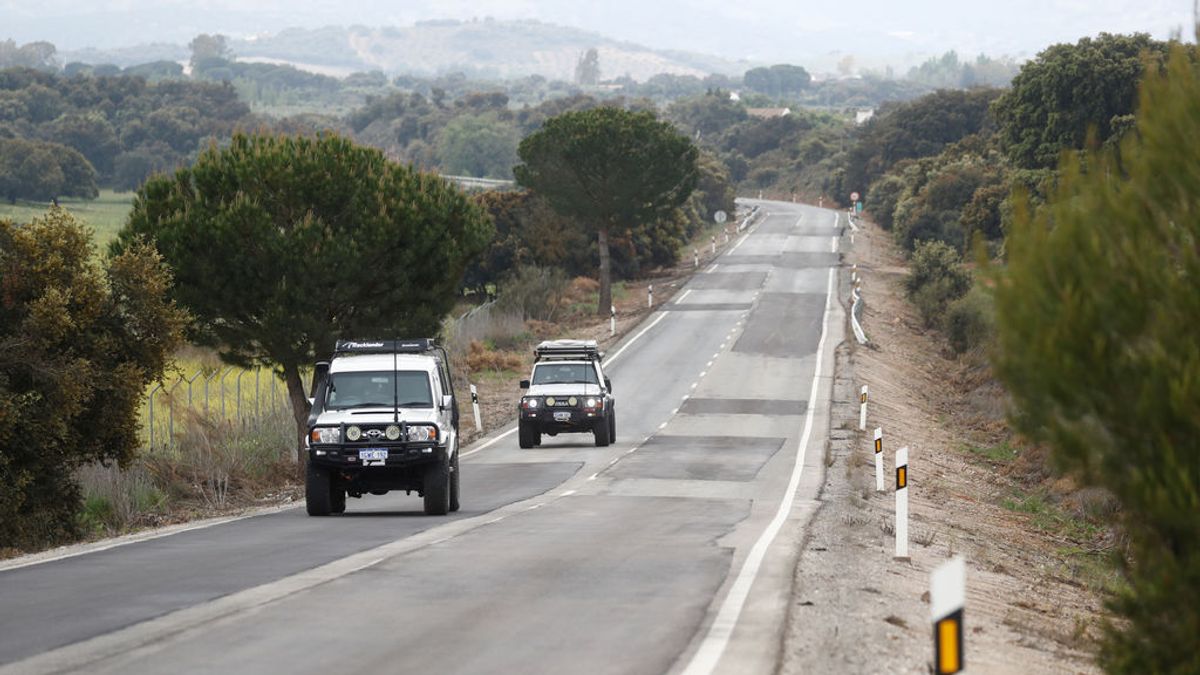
414 404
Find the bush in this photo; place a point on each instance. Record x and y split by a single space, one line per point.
936 279
1096 342
882 198
79 342
481 358
116 498
970 321
536 292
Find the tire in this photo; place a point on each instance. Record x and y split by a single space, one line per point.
437 489
318 491
527 435
612 426
600 431
338 500
454 476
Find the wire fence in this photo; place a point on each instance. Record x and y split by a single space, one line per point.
235 397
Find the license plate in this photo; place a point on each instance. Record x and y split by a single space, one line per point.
373 454
562 417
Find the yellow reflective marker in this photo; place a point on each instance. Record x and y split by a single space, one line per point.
949 644
878 445
901 477
947 597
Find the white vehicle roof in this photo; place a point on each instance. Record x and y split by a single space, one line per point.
381 362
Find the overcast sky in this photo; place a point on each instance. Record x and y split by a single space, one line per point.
798 31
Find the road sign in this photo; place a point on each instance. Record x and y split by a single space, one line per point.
853 196
720 217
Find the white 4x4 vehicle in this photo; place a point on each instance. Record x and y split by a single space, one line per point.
567 393
383 418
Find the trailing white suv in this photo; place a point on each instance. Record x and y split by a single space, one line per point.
567 393
384 417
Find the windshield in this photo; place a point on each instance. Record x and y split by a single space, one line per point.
371 389
564 373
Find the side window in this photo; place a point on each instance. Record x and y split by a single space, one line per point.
444 377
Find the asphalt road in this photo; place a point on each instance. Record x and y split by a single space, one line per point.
670 551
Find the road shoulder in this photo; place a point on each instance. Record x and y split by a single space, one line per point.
856 610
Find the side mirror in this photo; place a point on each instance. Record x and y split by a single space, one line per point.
447 402
311 400
524 384
320 372
608 384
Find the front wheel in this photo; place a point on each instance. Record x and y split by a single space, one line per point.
338 500
318 492
437 489
454 484
612 426
527 435
600 431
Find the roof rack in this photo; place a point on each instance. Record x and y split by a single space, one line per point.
408 346
567 349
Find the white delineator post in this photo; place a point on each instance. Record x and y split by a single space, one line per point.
879 459
862 410
947 598
650 296
714 244
612 320
695 258
902 504
475 409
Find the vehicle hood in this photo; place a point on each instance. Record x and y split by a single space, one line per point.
376 416
573 389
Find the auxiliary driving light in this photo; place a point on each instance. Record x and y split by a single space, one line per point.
353 433
392 432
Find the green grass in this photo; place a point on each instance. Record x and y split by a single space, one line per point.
105 215
1048 517
1000 453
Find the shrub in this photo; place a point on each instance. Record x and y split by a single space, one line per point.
970 321
1096 342
482 358
936 278
79 342
536 292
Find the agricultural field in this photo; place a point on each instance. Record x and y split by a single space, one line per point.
104 215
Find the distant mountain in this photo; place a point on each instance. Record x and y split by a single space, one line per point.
484 48
487 49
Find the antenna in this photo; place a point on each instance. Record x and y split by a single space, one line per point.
395 385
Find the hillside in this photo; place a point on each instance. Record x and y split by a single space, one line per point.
485 48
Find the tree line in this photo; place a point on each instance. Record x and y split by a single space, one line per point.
1075 190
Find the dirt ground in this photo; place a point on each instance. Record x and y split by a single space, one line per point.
1029 606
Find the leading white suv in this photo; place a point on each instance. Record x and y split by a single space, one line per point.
384 417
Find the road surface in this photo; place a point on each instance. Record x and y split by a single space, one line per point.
670 551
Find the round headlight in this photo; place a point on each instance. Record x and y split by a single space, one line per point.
572 401
392 432
590 403
531 403
353 433
422 434
550 401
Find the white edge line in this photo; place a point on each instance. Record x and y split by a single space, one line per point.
685 294
709 653
138 538
608 362
489 444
